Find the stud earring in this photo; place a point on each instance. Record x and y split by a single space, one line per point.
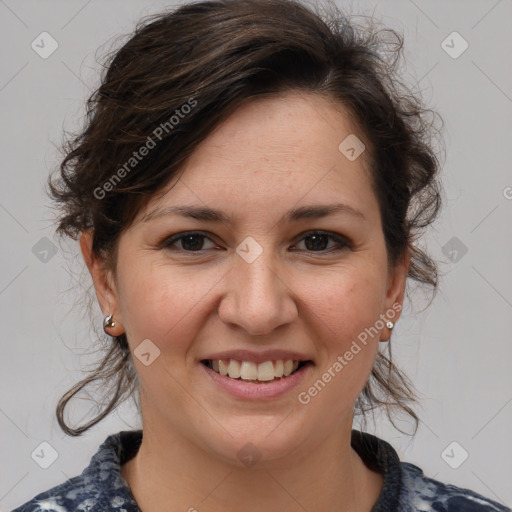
390 325
108 322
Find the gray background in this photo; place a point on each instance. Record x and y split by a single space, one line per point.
457 352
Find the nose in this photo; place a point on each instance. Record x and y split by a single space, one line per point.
257 298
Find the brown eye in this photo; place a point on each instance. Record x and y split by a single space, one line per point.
314 241
318 241
190 242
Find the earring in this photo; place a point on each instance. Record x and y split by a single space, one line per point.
108 322
389 325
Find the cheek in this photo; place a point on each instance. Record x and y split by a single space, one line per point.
346 307
346 301
158 302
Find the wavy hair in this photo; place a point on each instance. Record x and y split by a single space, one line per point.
221 54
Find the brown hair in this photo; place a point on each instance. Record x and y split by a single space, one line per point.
213 56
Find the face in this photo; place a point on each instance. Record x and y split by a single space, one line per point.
259 280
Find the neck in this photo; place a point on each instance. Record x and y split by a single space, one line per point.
170 470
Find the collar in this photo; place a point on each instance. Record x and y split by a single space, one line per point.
105 467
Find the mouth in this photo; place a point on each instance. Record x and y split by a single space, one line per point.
248 371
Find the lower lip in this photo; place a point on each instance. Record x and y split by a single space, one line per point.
254 390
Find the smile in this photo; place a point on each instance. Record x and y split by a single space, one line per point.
266 371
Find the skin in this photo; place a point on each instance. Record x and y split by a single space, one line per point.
270 156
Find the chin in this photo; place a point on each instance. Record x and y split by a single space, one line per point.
253 443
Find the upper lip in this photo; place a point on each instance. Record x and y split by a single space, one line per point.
258 357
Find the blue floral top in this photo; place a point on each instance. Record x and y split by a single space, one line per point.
102 488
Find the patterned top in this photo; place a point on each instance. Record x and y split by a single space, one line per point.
102 488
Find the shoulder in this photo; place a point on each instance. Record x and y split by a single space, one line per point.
100 487
428 495
407 489
78 493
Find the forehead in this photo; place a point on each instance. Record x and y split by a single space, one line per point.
273 151
283 130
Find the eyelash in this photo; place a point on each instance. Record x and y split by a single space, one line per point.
169 241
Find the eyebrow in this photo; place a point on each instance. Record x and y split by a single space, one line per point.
211 215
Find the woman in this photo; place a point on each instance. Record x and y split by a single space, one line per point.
247 193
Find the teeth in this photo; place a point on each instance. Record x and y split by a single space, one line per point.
234 369
223 368
288 367
266 371
247 370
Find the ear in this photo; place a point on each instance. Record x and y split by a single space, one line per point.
104 283
397 277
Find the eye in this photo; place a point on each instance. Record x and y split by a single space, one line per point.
317 241
194 241
190 241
